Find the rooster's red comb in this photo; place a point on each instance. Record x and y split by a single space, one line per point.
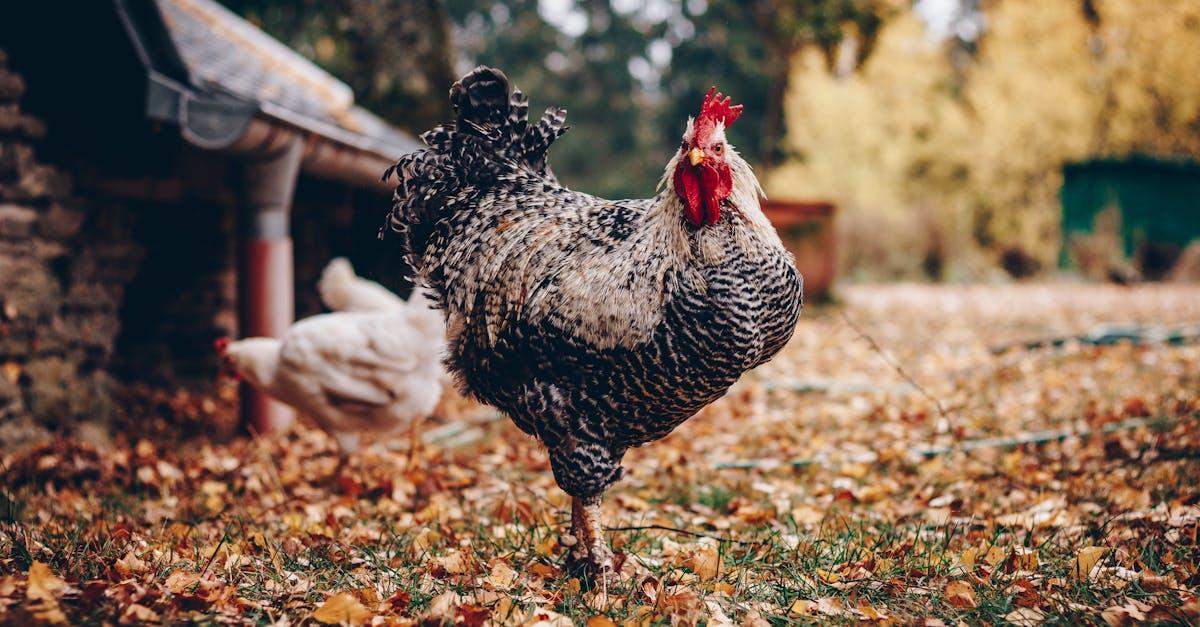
716 108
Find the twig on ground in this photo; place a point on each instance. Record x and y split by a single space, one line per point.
1036 437
1108 334
895 366
211 558
844 386
695 534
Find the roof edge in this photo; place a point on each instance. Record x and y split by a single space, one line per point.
214 120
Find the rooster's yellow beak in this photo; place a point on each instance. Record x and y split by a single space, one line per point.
696 156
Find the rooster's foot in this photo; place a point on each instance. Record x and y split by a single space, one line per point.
587 549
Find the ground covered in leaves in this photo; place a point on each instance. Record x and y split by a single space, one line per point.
916 455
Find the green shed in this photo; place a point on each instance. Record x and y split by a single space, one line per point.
1156 203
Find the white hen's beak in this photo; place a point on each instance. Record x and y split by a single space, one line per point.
696 156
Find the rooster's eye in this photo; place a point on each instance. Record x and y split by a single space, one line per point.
719 148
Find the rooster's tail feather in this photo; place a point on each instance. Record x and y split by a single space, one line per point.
491 137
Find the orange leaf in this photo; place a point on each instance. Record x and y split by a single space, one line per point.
960 594
43 592
43 584
342 608
1086 560
706 560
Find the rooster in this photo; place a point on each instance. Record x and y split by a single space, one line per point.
596 325
377 369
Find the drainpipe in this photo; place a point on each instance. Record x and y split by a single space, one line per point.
265 301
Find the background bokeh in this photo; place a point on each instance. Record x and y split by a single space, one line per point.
939 127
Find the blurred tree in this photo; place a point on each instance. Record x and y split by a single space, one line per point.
397 55
747 48
968 159
628 72
579 57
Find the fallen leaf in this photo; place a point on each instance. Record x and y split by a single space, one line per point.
800 607
995 555
455 562
960 594
600 621
130 565
829 606
43 584
870 612
342 608
179 581
828 576
43 591
640 616
546 547
716 614
12 371
805 515
1025 559
426 539
1156 583
546 618
968 557
1086 560
138 613
705 560
1025 616
471 615
754 619
502 576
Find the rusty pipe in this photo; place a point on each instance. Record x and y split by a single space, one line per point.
321 157
266 304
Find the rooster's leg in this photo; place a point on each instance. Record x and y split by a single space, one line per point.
590 545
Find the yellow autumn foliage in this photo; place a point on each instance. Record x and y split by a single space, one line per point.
932 160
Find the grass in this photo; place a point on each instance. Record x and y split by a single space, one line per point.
855 565
187 530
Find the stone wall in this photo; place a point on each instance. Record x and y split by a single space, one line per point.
64 265
184 294
118 263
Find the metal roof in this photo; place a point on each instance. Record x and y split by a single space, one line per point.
234 67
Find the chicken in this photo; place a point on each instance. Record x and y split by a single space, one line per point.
343 290
596 325
351 372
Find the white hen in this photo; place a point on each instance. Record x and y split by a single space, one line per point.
343 290
353 371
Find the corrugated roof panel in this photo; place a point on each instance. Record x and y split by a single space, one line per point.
224 52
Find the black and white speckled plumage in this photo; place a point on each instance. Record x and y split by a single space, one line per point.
596 325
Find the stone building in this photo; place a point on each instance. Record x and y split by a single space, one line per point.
168 175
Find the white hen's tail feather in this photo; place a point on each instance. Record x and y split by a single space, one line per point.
343 290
